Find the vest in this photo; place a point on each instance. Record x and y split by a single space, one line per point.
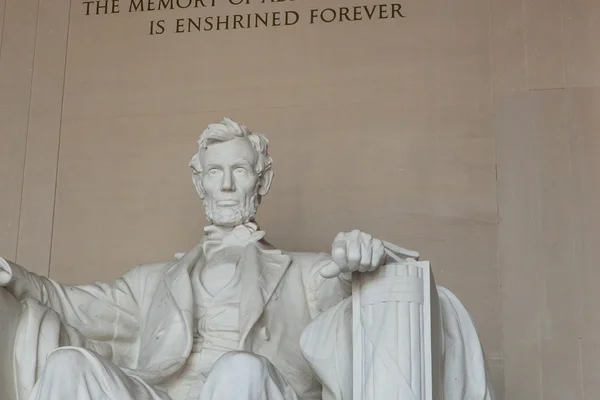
217 319
217 329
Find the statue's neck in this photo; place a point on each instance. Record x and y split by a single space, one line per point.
246 230
252 226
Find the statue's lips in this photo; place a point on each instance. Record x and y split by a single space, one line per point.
227 203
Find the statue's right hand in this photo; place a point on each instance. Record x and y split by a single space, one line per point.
6 273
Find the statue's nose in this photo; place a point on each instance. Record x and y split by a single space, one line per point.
227 184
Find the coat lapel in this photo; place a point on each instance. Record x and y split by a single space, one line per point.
166 341
263 269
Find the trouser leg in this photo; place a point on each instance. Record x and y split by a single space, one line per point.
246 376
73 373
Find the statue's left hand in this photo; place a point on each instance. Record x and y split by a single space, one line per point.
354 251
6 274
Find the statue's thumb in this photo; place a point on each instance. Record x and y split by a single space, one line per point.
331 270
5 272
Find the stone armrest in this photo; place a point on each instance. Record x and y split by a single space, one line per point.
10 311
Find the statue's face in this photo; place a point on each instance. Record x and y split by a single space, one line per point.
230 183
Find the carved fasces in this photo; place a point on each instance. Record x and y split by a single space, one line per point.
395 333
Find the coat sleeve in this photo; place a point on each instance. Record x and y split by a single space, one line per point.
105 313
324 293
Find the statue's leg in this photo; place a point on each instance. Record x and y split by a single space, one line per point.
78 374
245 376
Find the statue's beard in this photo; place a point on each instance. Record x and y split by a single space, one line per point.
231 216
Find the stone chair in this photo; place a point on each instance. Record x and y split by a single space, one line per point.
411 340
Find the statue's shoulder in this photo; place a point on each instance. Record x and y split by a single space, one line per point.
161 265
307 259
298 258
152 269
269 248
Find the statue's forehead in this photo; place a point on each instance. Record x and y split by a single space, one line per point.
231 151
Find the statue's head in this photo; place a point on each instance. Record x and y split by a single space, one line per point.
232 171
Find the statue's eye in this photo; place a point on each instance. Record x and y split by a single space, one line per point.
213 172
240 171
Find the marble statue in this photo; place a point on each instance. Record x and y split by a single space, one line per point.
235 318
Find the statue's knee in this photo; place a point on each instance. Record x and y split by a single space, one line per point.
75 361
242 364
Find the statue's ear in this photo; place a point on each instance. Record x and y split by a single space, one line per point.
265 181
197 175
197 179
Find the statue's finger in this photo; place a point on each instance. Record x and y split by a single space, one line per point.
378 256
353 254
366 253
331 270
338 254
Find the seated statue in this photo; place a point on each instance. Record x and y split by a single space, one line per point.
232 319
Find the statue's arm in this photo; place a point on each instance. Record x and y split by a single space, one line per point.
323 293
93 309
23 284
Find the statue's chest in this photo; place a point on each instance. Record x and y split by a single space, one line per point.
217 293
220 270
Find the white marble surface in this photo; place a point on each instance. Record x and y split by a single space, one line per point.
236 318
9 318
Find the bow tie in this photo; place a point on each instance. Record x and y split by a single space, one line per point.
241 235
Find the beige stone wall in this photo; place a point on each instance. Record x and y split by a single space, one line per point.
467 130
546 63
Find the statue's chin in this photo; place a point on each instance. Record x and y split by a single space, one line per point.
228 218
